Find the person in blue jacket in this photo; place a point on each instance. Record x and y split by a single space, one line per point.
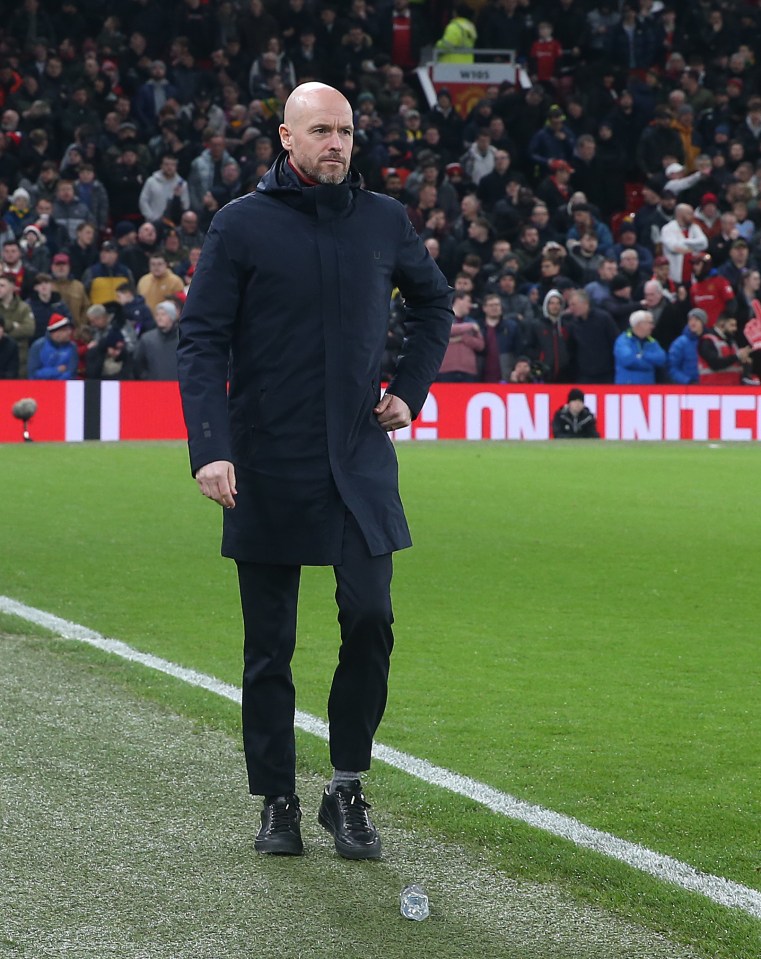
291 298
683 352
637 355
54 356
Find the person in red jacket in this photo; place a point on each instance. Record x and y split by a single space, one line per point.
710 291
545 53
721 360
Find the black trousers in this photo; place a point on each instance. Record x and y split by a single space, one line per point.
269 598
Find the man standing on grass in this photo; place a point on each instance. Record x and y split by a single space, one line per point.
291 296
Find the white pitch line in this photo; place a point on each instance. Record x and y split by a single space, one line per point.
719 890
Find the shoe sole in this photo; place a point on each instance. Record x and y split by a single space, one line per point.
272 848
345 849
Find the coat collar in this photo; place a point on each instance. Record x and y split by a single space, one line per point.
324 200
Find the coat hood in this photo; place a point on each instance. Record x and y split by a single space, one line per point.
546 300
325 200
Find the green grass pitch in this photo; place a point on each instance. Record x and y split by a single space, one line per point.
577 625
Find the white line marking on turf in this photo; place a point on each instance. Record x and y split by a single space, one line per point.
720 890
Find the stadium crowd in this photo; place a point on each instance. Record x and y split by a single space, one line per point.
600 224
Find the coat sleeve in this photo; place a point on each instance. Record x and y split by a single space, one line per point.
206 332
427 319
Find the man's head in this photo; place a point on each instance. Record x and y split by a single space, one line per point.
59 329
7 287
652 294
157 265
697 320
492 307
318 132
726 325
642 323
168 166
683 213
11 253
146 234
60 266
462 304
739 253
607 269
575 401
43 286
578 304
588 242
554 304
109 253
165 315
97 316
64 191
629 261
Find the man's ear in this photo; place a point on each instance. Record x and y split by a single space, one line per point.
285 136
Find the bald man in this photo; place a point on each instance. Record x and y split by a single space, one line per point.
291 297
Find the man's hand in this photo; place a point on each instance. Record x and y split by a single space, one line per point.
393 413
217 481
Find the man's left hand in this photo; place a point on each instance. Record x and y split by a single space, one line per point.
393 413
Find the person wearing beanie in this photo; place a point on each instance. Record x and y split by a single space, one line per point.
54 356
683 352
574 420
19 214
637 354
156 350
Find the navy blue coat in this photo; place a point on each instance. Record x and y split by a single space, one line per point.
293 288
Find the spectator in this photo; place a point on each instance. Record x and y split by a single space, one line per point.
553 142
459 38
479 160
733 268
83 253
637 354
710 291
584 259
156 352
134 310
601 288
93 194
524 372
137 256
164 193
502 340
68 211
43 302
620 303
54 356
628 266
657 141
159 282
627 240
17 318
721 359
9 361
206 170
35 255
109 359
460 364
19 214
681 239
152 95
546 340
592 333
13 265
71 290
683 352
574 420
102 279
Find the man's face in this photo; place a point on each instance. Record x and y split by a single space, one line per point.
318 133
575 407
168 167
147 234
108 257
11 254
61 336
98 320
163 320
739 255
44 290
607 271
65 192
630 261
157 266
695 325
539 216
60 271
507 284
652 295
6 289
492 306
549 268
462 306
588 243
500 250
189 222
578 306
217 148
530 238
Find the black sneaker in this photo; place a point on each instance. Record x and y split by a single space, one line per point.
280 833
344 814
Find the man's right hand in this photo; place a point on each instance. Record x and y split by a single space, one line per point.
217 481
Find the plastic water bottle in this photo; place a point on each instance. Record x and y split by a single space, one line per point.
414 903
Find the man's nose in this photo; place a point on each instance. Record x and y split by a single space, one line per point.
334 143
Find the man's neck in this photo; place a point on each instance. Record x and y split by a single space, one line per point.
302 176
